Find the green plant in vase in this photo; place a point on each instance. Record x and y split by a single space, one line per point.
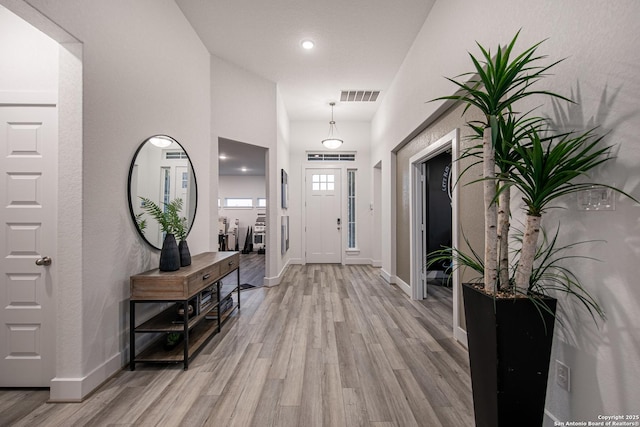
510 318
169 220
181 230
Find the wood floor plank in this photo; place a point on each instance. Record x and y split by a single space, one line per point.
199 411
170 408
371 385
394 395
422 410
330 346
293 382
332 399
267 410
249 399
311 397
355 412
346 359
230 395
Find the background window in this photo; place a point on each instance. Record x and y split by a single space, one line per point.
231 202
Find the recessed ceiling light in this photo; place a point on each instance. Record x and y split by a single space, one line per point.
222 157
307 44
243 169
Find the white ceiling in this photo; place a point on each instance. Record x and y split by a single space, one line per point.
241 156
360 44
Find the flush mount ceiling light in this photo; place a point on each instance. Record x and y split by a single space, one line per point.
307 44
332 142
161 141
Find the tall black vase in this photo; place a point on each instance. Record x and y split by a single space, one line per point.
509 353
169 255
185 255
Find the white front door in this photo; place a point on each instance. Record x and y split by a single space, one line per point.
28 165
323 216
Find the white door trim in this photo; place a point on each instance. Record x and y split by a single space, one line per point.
449 141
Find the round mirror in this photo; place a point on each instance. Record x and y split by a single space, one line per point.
161 172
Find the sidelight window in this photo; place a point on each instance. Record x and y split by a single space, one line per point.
351 208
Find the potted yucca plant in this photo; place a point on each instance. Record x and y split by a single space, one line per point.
510 315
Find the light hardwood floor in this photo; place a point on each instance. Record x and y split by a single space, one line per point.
330 346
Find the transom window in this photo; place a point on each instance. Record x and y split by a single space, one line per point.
323 182
235 202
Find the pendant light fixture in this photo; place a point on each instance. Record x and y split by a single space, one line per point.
332 142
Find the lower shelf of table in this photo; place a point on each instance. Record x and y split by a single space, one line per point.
199 335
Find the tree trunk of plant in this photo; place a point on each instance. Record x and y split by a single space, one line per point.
528 253
504 213
491 215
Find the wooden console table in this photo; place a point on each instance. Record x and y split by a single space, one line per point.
198 285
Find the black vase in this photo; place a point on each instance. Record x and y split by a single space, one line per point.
185 255
169 255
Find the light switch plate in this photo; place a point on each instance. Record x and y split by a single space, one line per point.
563 376
597 199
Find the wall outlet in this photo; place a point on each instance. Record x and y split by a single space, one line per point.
563 376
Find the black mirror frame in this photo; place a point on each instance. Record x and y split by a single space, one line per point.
131 166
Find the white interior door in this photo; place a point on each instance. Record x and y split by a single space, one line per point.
323 216
28 165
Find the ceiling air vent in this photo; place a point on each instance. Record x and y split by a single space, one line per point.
331 157
359 95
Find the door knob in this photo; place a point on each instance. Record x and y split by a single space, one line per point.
43 261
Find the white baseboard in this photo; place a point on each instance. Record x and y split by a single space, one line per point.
76 389
275 281
460 335
552 417
404 286
357 261
386 276
272 281
376 263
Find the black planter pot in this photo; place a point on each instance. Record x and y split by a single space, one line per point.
169 255
509 350
185 255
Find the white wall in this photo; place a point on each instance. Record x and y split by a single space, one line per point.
283 162
144 72
30 59
247 108
306 136
601 42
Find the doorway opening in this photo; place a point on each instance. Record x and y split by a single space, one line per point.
436 227
434 218
242 207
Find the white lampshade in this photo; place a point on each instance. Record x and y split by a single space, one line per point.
332 142
160 141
